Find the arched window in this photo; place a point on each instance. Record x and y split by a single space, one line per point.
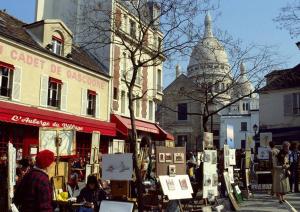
57 43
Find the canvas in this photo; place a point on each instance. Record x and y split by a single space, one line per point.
117 166
232 160
113 206
208 140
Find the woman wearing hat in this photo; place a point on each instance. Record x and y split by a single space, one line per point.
34 193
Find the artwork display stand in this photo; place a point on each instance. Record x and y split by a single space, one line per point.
210 175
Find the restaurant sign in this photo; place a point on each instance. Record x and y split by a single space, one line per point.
44 123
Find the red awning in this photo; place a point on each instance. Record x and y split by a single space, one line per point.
167 135
123 126
20 114
6 65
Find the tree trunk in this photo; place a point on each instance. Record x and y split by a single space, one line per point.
204 123
135 154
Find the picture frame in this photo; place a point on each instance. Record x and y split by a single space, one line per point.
214 157
171 184
168 158
172 170
161 157
207 180
179 157
183 184
215 180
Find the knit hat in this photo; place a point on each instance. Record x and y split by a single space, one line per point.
44 159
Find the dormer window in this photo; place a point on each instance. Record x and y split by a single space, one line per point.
57 44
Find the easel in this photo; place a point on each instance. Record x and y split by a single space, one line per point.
58 141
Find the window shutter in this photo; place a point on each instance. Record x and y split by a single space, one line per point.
83 101
97 111
44 90
288 104
16 86
64 94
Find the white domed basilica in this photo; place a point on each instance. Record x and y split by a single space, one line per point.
209 65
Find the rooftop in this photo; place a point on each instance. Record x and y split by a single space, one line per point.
14 29
283 79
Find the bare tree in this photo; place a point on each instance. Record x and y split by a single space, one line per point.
149 32
289 18
216 89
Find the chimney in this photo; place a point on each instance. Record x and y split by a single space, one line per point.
178 70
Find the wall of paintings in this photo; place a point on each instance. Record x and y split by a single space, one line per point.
170 160
210 175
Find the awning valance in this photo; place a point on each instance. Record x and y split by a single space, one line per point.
34 116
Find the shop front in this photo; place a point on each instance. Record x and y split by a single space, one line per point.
20 125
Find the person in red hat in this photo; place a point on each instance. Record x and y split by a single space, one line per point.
35 191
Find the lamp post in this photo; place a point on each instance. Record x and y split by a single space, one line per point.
255 128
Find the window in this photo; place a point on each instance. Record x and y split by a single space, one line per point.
138 77
91 103
243 126
57 45
132 29
296 103
182 111
123 102
150 110
159 84
115 93
125 23
223 87
124 65
217 84
181 140
246 106
137 107
54 92
159 43
5 81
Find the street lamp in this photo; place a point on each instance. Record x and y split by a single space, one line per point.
255 127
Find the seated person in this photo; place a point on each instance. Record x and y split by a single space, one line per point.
72 186
91 195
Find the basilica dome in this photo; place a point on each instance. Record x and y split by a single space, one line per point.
208 53
244 86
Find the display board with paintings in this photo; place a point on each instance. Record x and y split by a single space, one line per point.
117 166
170 160
210 175
177 187
226 156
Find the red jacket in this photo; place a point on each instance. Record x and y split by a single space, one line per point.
34 194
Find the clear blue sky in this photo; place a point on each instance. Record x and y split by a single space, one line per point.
250 21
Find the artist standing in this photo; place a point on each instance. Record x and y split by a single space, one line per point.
34 193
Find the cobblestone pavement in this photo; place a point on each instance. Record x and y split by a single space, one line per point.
265 203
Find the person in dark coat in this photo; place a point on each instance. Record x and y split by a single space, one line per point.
91 195
34 194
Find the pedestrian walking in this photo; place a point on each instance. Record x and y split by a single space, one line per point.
34 194
281 184
293 159
273 161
